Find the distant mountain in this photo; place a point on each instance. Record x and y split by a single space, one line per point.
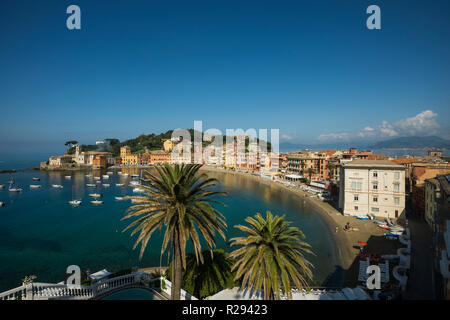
412 143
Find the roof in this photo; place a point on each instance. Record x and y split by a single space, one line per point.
379 164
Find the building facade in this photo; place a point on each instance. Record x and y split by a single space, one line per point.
375 187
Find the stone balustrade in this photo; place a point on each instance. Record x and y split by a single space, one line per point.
51 291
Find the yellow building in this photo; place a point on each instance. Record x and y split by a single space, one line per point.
131 160
168 145
124 152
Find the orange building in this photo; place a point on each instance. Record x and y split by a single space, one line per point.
159 157
99 161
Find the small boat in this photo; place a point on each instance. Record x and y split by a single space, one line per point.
68 177
35 186
380 222
118 198
120 184
105 176
124 174
106 185
110 173
36 179
135 175
75 202
382 226
88 176
98 182
135 183
362 216
2 204
15 189
2 186
97 202
138 190
95 195
91 184
57 186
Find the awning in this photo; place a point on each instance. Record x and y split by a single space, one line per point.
100 274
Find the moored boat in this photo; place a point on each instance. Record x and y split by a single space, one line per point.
106 185
36 179
2 204
2 186
68 177
91 184
138 190
110 173
57 186
95 195
35 186
119 198
97 202
105 176
75 202
120 184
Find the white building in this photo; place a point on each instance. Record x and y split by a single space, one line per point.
375 187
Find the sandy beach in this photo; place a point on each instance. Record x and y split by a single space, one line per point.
346 242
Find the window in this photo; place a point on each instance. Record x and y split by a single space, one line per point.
375 209
355 197
375 199
375 186
356 208
397 175
375 174
353 184
359 185
397 201
396 187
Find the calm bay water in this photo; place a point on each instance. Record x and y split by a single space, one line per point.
41 234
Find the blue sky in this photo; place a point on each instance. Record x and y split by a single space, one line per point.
310 68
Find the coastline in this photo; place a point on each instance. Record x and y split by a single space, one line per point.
345 242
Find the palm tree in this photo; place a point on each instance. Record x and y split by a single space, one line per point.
177 198
310 172
271 256
331 167
205 279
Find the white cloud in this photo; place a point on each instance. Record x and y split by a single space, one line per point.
422 124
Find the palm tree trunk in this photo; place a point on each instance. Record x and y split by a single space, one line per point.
176 268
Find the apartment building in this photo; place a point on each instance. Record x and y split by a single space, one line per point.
375 187
437 215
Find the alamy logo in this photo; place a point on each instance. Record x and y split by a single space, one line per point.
374 20
74 278
374 280
74 20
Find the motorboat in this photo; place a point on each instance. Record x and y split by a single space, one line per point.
68 177
106 185
15 189
382 226
97 202
75 202
119 198
91 184
35 186
135 175
105 176
138 190
95 195
124 174
362 216
36 179
97 178
135 183
88 176
57 186
110 173
120 184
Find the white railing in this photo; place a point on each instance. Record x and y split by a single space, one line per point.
166 287
51 291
